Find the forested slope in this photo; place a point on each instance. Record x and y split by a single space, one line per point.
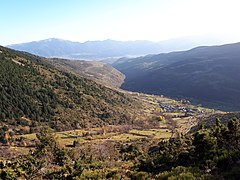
33 92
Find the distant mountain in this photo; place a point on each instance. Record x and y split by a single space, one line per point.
87 50
207 75
95 50
94 70
33 92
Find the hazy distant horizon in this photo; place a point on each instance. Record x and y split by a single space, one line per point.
121 20
207 40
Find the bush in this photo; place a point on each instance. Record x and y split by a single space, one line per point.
134 175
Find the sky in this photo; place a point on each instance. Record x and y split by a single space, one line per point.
83 20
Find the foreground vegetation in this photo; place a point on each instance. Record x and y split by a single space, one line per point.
211 153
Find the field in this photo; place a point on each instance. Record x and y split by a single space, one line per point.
164 118
114 134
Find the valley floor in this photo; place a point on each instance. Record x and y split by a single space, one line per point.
172 117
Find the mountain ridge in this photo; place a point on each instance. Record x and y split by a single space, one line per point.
54 47
95 50
208 75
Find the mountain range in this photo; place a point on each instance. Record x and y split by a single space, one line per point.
208 75
98 50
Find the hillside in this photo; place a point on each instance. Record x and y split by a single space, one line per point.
210 121
34 93
206 75
97 71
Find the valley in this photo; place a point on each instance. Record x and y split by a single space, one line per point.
161 123
120 90
63 119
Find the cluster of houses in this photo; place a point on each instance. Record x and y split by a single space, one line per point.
171 108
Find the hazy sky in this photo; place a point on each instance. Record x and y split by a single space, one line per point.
82 20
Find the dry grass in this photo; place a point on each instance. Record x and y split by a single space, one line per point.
68 137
